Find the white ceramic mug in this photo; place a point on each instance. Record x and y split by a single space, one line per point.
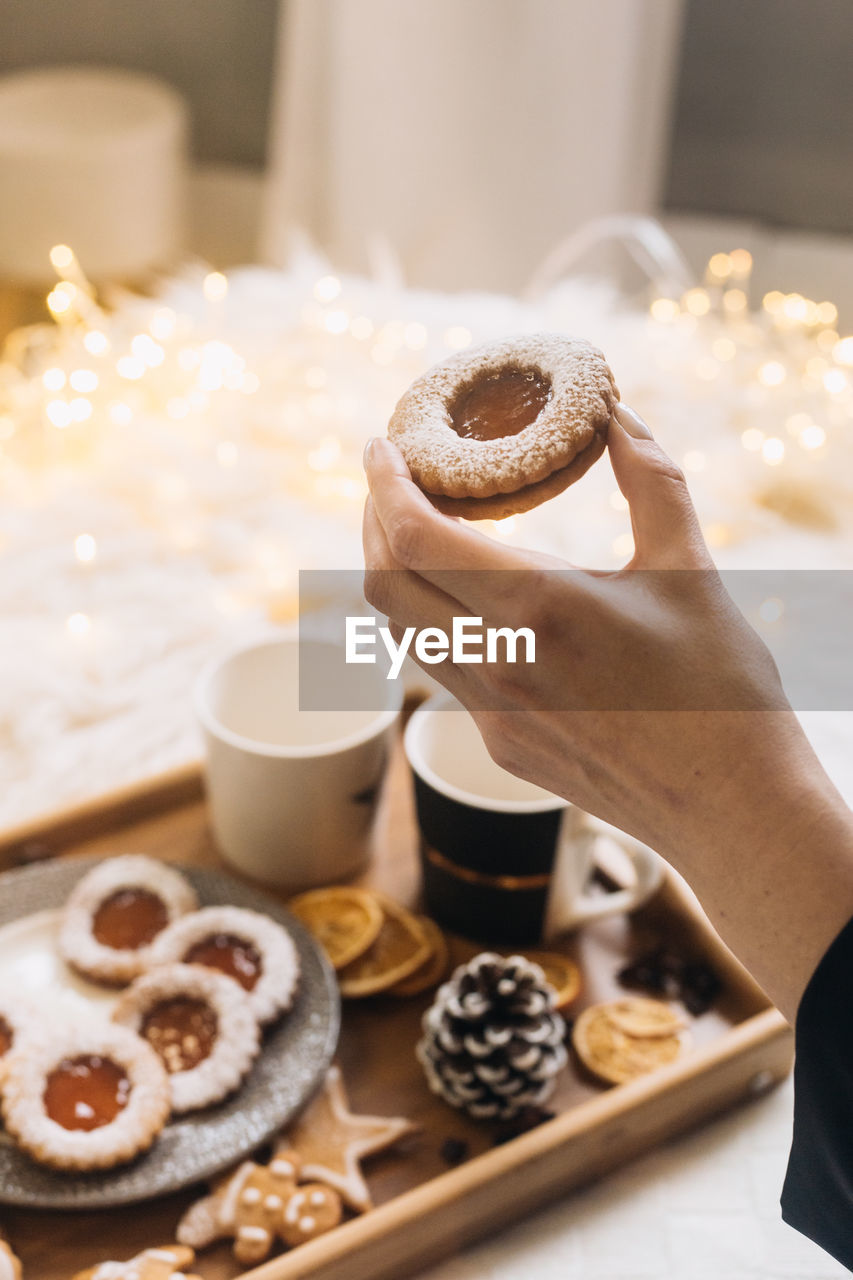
292 793
503 860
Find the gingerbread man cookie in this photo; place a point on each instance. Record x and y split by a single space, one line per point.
166 1263
258 1204
10 1266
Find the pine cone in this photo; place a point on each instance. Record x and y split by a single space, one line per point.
493 1042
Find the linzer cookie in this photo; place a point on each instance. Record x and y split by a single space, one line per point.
85 1096
343 919
201 1024
10 1264
624 1039
169 1262
400 947
115 913
249 947
258 1204
501 428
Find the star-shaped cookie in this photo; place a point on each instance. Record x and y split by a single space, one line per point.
331 1141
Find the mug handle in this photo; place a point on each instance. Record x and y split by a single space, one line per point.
569 906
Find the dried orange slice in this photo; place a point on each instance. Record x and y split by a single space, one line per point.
344 920
637 1016
400 947
433 968
614 1053
560 972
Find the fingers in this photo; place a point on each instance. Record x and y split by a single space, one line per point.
406 598
666 529
410 601
453 556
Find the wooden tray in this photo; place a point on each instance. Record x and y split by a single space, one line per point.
425 1211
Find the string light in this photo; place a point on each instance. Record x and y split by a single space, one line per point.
835 381
772 374
61 257
697 302
130 367
78 625
215 286
96 343
665 310
163 323
723 349
720 266
84 380
58 413
741 263
85 548
327 289
812 436
773 451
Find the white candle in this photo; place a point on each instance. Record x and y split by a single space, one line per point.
93 158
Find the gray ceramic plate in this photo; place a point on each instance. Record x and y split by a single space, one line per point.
295 1055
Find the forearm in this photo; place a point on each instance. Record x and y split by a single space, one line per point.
773 865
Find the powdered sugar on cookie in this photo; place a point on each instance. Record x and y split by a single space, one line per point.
503 427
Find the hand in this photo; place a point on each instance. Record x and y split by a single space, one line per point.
729 791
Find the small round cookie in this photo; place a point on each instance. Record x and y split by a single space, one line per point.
116 911
246 945
202 1026
81 1097
503 427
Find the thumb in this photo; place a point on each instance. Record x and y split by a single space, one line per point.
666 528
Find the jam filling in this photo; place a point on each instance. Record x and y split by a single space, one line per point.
129 919
182 1030
86 1092
232 955
6 1037
500 404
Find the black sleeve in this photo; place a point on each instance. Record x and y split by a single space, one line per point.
817 1198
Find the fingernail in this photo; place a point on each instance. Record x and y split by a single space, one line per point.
368 453
632 422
